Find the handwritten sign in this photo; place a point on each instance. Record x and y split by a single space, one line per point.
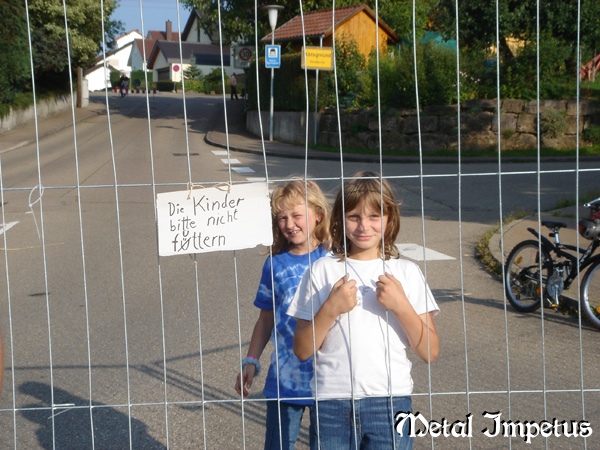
214 219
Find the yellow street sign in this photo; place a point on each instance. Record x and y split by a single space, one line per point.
318 58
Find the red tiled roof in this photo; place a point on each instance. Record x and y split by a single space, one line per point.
320 23
162 35
149 46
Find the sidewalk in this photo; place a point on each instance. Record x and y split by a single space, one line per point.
232 134
237 138
26 134
516 231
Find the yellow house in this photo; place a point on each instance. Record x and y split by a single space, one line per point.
357 22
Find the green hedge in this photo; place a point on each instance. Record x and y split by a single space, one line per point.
289 87
165 85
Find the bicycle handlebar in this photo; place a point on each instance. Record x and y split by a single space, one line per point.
594 204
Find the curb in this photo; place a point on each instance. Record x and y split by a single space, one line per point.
357 157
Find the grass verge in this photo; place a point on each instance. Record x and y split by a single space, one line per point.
546 152
482 247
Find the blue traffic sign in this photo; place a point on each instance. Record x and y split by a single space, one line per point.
273 56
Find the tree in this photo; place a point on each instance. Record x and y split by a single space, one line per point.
193 72
48 33
237 16
518 19
14 58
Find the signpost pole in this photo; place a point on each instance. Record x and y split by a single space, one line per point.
272 10
317 92
272 83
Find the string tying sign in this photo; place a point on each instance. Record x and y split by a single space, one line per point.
214 219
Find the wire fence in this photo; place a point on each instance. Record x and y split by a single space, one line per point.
109 345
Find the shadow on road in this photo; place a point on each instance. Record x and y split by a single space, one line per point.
72 424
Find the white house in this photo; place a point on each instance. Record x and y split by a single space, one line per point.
193 32
121 60
168 61
137 60
126 38
98 78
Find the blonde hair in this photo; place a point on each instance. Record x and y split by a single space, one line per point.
291 194
367 186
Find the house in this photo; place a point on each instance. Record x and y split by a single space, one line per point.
356 22
167 61
138 59
126 57
97 77
193 31
126 38
167 35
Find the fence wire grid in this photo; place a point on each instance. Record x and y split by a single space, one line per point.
108 345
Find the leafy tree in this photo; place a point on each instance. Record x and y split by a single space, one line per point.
518 19
349 62
49 38
14 58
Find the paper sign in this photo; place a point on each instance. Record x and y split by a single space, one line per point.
214 219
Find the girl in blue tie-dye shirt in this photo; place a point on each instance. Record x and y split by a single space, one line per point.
301 236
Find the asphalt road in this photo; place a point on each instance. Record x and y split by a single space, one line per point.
89 311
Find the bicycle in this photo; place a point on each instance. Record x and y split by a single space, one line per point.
531 279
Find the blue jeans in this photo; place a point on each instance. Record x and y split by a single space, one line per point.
291 417
374 424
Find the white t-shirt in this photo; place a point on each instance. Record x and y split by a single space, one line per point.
364 330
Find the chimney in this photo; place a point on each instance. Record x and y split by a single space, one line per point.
169 34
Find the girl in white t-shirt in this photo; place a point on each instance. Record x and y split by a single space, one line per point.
358 310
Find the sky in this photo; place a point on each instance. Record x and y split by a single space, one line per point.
156 14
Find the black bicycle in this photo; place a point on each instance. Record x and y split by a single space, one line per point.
531 278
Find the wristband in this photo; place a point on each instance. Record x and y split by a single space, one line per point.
251 360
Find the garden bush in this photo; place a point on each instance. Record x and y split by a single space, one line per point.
554 123
165 85
592 134
289 85
436 69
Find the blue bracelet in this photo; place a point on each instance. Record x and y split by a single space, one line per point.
251 360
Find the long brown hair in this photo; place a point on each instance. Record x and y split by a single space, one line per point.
367 186
292 194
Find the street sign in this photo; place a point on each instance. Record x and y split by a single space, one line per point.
242 56
272 56
318 58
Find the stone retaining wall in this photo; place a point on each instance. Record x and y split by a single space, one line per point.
439 126
478 124
45 108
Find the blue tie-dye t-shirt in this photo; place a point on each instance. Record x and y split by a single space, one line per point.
294 375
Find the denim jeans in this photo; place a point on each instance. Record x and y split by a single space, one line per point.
291 417
374 424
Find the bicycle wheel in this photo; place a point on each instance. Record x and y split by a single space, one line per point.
522 272
590 294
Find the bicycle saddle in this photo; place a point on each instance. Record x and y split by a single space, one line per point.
553 225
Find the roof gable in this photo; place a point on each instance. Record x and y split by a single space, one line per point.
195 14
319 23
171 52
149 43
101 57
